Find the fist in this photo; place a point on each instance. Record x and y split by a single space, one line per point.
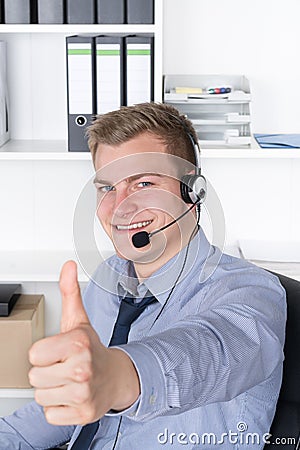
77 379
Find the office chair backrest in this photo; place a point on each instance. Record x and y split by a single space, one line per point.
286 423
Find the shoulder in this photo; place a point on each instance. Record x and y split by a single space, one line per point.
237 281
104 279
238 270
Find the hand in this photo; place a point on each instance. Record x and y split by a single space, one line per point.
77 378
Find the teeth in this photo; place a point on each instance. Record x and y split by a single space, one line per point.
134 225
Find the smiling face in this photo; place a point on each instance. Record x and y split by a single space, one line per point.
138 190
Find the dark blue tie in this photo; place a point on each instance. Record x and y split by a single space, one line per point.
128 313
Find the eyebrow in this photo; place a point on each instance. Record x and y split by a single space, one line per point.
131 178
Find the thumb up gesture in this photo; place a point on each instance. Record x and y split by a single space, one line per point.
73 312
78 379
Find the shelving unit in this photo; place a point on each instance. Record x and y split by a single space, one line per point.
38 99
40 178
42 266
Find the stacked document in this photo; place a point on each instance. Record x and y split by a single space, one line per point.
218 106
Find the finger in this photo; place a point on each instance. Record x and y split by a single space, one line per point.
72 394
58 348
75 369
73 312
68 415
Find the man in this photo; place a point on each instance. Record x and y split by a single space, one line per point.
201 365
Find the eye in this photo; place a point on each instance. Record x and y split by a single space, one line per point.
145 184
104 189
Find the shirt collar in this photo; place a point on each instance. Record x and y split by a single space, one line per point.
174 271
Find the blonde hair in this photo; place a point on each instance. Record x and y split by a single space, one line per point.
161 120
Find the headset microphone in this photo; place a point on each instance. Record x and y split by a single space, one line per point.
142 238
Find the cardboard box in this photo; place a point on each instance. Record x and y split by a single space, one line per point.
18 332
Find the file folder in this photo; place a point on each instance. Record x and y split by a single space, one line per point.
139 69
81 90
111 11
109 69
80 11
33 11
50 11
4 118
17 11
140 11
1 12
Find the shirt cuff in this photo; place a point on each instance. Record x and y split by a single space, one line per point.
130 412
153 396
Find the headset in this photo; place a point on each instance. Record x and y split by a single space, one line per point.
193 190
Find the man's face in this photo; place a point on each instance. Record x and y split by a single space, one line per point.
138 190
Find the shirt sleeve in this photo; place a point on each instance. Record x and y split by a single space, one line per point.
233 343
28 429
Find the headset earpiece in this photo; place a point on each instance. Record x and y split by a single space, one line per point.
193 188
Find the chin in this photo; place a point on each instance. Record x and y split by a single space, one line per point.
145 255
131 253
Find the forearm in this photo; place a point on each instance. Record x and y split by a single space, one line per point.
197 362
27 429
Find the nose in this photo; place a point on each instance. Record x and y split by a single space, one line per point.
124 203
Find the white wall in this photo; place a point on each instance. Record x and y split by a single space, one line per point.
260 199
261 40
256 38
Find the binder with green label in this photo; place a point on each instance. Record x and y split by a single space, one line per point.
139 66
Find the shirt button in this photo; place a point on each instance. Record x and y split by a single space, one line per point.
152 399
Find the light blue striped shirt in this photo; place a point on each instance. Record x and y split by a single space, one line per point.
209 363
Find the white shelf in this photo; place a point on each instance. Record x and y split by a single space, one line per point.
249 152
17 393
77 28
36 150
39 150
41 265
199 101
253 151
44 266
224 122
